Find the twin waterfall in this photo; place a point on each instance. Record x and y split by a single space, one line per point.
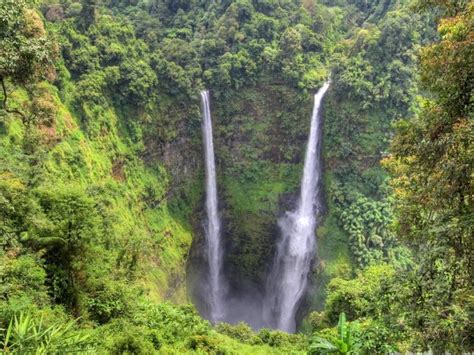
288 279
212 227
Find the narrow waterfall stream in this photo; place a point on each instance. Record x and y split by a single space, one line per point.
212 224
288 279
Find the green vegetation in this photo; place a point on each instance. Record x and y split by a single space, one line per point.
345 343
25 336
433 182
101 174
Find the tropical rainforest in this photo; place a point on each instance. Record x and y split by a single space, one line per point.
102 177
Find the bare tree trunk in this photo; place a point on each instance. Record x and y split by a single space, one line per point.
5 100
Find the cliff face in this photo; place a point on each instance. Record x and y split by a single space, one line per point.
259 136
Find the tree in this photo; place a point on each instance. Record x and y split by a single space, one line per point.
72 226
26 53
88 15
432 160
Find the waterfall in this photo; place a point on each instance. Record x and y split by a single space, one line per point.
288 278
212 225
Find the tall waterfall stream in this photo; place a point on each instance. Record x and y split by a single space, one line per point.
212 226
296 248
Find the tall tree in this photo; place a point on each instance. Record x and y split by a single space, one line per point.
88 15
433 157
26 53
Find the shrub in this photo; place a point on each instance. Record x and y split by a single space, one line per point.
276 338
241 332
370 294
131 343
204 343
176 323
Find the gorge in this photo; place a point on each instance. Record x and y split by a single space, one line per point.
139 215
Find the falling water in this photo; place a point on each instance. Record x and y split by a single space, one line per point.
212 225
288 278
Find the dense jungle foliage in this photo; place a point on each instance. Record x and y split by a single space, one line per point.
101 176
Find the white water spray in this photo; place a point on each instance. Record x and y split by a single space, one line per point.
296 249
212 225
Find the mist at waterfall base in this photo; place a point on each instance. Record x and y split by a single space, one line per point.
276 304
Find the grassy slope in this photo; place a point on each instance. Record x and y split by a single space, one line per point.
69 158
